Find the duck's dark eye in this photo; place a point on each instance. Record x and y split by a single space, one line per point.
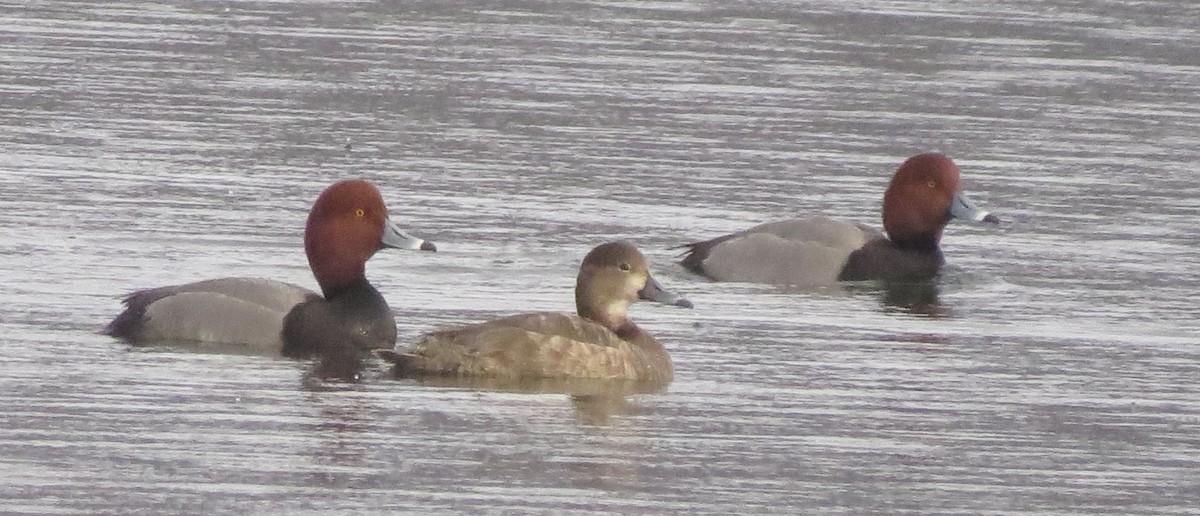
625 267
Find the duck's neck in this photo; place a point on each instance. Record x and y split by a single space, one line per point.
925 243
613 316
342 288
337 263
628 331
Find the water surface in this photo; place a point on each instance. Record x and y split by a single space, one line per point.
1053 369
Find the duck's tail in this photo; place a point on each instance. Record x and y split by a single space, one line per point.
128 324
695 253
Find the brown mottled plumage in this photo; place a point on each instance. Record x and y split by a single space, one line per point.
600 342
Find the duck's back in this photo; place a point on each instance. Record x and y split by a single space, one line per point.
808 251
246 311
545 345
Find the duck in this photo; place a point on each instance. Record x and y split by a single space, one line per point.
599 341
347 224
923 196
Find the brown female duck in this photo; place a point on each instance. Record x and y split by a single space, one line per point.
600 342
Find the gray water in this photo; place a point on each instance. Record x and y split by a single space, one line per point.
1053 369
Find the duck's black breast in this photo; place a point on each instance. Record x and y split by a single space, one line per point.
354 320
881 259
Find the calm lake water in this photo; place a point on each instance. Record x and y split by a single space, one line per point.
1054 368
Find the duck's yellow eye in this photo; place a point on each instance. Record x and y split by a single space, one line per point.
932 184
625 267
360 213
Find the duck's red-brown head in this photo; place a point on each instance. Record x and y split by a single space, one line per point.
347 224
922 198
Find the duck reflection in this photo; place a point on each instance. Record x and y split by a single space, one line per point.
920 298
599 409
914 298
595 401
334 367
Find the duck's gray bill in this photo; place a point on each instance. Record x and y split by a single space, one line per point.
962 207
395 237
654 291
